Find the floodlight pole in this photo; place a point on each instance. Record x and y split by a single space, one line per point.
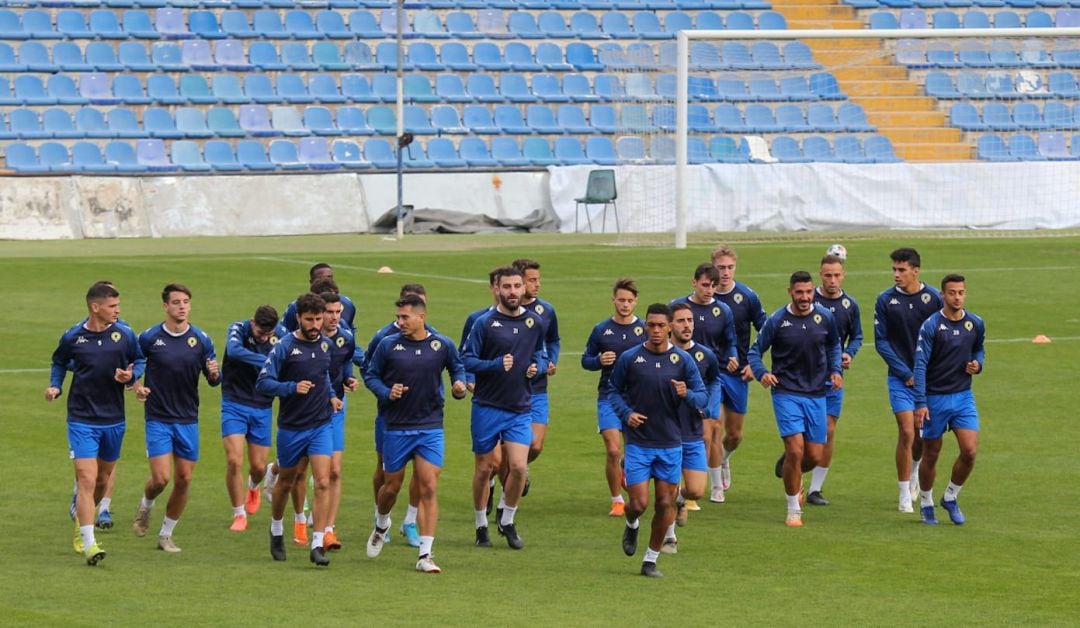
682 87
400 119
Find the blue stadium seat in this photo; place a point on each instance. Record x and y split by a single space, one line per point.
86 157
739 21
137 23
320 121
1058 115
442 152
90 122
95 88
584 25
161 89
384 87
324 88
204 24
796 88
8 61
849 150
235 23
295 55
604 119
976 19
36 57
973 54
251 154
477 118
1002 55
514 88
489 56
283 155
357 54
706 56
287 121
229 54
267 24
22 158
356 88
388 22
475 152
767 56
186 155
1038 19
124 124
1052 146
571 119
158 122
220 122
327 56
58 124
196 54
520 57
449 88
386 57
853 118
68 57
997 117
364 25
379 153
11 27
331 24
647 26
292 89
817 148
879 149
167 56
101 57
299 25
548 89
999 84
640 87
522 24
348 154
759 119
1022 147
422 57
508 119
30 91
382 120
582 57
220 156
55 156
460 25
1028 116
940 85
676 21
445 119
576 87
226 88
825 86
172 23
38 25
255 121
600 150
352 121
763 88
453 55
552 25
993 148
786 149
821 118
427 24
26 124
538 151
635 118
122 158
630 149
541 119
880 20
727 150
708 20
569 152
730 89
417 122
507 152
615 24
315 153
264 56
729 118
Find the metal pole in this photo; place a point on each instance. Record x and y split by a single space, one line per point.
682 99
400 119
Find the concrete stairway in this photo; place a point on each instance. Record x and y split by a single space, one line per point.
893 101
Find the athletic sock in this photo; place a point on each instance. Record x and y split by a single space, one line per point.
410 514
670 532
715 478
382 521
87 533
905 489
277 527
508 516
252 485
915 470
328 530
817 478
481 518
502 499
633 525
316 539
146 503
952 491
793 504
167 526
425 545
727 455
491 482
651 555
618 499
104 504
299 517
926 498
238 511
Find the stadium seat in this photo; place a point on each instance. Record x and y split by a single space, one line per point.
1022 147
352 121
90 122
251 155
220 156
993 148
759 118
221 122
101 57
442 152
234 23
22 158
123 124
508 119
191 122
364 25
477 118
38 25
569 152
379 153
453 55
226 88
255 121
676 21
331 24
576 88
879 149
520 57
204 25
445 119
552 25
166 56
315 153
739 21
880 20
161 89
630 149
158 122
763 88
196 54
449 88
796 88
600 150
8 61
417 88
514 88
976 19
388 22
382 119
475 152
172 23
507 152
292 89
489 56
264 56
997 117
997 84
1038 19
1002 55
295 56
1028 116
541 119
68 57
148 155
821 118
546 87
817 148
283 155
93 88
584 26
288 121
384 87
55 156
786 149
417 122
1052 146
324 88
708 20
35 56
727 150
26 125
186 155
647 26
522 24
30 91
267 24
1058 115
582 57
538 151
460 25
356 88
348 154
849 150
299 25
571 119
615 25
729 118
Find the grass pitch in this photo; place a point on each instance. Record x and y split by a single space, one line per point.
857 561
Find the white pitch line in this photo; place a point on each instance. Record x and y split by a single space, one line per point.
374 270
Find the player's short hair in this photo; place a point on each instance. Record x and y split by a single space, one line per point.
330 297
708 271
800 276
625 283
951 278
309 303
525 264
266 317
174 287
412 300
831 259
508 271
412 288
324 285
659 308
681 305
107 282
911 256
493 275
100 291
317 267
723 251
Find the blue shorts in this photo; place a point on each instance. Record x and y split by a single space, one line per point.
796 414
834 401
490 425
87 440
955 411
401 446
539 411
178 439
292 445
736 392
337 424
693 456
606 419
253 423
901 397
380 433
642 464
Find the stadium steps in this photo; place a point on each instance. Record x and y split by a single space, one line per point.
806 14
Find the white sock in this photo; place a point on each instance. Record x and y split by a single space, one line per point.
817 478
425 545
651 555
670 532
715 477
633 525
793 504
316 539
926 498
410 514
104 504
299 517
277 528
491 482
905 489
87 533
727 455
617 500
167 526
915 470
508 515
238 511
951 492
502 500
146 503
382 521
481 518
252 485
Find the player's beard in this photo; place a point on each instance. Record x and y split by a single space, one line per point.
510 303
312 334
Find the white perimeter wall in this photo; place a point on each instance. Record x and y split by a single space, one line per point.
758 197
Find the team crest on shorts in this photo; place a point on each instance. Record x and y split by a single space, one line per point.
699 356
926 297
340 342
115 336
529 323
638 331
817 318
968 325
716 312
324 346
539 309
674 357
846 303
436 345
192 341
737 298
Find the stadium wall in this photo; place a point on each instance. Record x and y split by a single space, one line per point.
757 197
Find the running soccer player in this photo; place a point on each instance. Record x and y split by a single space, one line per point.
470 380
319 273
746 310
405 375
949 353
694 463
176 353
648 385
245 413
505 350
899 312
607 341
298 371
805 353
714 327
530 270
103 358
845 310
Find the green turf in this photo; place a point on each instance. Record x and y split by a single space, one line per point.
855 562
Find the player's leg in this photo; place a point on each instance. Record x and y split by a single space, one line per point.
330 541
908 441
613 469
257 434
320 504
484 430
664 468
713 439
539 432
234 479
104 502
183 470
516 456
539 415
819 472
636 465
298 494
426 475
964 421
733 412
408 526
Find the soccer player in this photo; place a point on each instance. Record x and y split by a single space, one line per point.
316 275
530 270
405 375
845 310
648 385
950 352
298 371
899 312
505 350
694 461
103 357
714 327
746 310
607 341
805 353
177 353
470 378
245 413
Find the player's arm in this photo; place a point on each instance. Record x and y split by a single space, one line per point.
696 394
881 340
372 345
58 371
758 349
554 346
833 352
455 368
267 383
288 320
474 343
373 373
757 312
978 352
540 356
855 338
616 387
348 374
359 356
713 385
923 352
590 359
731 339
210 369
235 349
